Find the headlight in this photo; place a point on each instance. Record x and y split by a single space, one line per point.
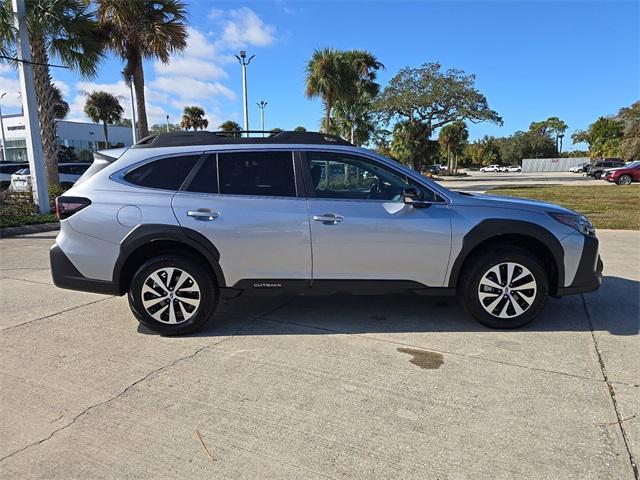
577 222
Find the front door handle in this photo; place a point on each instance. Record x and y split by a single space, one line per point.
328 218
203 214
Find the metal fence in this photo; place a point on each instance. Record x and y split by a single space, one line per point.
552 164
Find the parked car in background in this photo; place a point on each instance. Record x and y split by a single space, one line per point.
511 168
625 175
597 169
8 169
490 168
433 169
580 168
69 174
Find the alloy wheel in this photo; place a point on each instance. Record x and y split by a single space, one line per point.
625 180
170 295
507 290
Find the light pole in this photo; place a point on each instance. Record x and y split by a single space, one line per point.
244 61
261 105
31 123
4 148
167 123
134 134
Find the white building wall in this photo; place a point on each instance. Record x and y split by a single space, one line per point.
552 164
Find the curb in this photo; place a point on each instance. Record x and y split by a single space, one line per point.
28 229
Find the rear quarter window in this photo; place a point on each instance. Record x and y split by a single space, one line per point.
164 174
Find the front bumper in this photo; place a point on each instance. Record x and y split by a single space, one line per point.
66 275
589 274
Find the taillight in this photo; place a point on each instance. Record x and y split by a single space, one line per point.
67 206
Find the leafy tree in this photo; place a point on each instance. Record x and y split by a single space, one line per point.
341 76
193 117
483 152
124 122
299 128
552 128
231 126
604 137
162 127
426 99
63 30
139 30
630 144
103 107
452 139
411 145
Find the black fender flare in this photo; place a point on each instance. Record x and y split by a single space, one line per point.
149 233
494 228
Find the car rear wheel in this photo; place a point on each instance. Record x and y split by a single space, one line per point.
597 175
172 295
624 180
506 288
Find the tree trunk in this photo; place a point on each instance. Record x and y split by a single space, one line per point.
106 134
46 109
138 84
327 114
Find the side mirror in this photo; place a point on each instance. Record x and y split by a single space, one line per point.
412 196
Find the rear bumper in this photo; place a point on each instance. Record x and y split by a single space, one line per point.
589 274
66 275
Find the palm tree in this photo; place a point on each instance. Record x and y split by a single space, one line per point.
103 107
453 138
60 106
64 30
326 78
193 117
341 77
230 126
143 29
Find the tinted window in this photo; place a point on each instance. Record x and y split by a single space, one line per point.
206 179
10 168
166 173
257 173
343 176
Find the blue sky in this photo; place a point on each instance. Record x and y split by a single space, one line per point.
575 60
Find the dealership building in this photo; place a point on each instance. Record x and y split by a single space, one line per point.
80 138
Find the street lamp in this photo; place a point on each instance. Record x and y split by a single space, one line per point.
262 104
167 123
244 61
4 148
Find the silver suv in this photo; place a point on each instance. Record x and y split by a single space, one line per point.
183 219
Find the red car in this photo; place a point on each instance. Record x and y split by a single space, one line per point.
624 175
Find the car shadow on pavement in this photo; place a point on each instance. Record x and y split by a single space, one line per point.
614 308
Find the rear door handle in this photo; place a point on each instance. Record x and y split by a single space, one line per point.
328 218
203 214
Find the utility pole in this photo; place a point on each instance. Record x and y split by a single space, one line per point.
29 103
167 123
133 113
4 147
244 62
262 105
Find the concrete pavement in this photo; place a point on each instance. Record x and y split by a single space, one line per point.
319 387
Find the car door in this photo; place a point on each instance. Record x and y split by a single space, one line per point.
362 230
247 204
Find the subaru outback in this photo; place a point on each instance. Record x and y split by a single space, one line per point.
181 220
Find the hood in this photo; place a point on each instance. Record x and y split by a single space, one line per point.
513 202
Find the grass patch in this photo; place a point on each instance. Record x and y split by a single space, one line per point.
607 206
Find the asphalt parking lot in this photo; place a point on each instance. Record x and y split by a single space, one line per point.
320 387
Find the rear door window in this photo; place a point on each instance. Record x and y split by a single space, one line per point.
269 173
165 174
205 179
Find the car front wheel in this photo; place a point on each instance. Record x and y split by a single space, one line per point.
624 180
173 295
506 288
597 175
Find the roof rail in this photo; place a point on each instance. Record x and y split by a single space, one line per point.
203 137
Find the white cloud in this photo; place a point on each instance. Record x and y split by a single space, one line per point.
10 85
192 67
242 27
191 89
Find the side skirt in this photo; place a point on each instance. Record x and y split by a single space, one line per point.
268 287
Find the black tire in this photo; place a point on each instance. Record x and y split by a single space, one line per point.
197 318
597 175
624 180
470 288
